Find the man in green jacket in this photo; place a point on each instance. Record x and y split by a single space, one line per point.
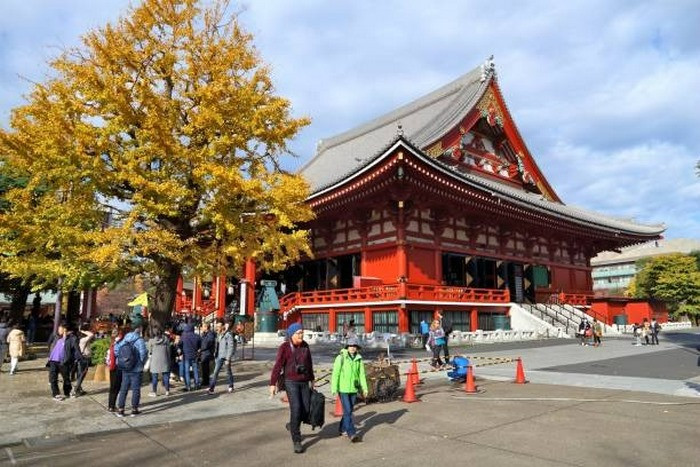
347 380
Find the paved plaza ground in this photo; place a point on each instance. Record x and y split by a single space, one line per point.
567 415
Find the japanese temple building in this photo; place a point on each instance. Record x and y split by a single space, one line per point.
438 206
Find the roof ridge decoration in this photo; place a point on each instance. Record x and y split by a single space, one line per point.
488 69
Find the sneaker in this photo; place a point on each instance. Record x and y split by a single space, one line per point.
111 409
135 412
167 393
80 392
355 438
58 398
230 389
210 391
298 448
120 413
151 394
73 395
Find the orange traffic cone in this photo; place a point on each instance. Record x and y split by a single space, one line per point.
469 386
338 407
414 372
409 394
520 373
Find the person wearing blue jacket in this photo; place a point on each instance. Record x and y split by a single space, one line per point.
191 344
131 378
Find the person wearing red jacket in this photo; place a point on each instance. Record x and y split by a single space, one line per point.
295 366
115 374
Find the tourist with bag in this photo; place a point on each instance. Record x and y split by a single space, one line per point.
131 354
159 358
225 351
294 363
347 380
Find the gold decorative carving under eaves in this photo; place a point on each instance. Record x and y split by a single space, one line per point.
488 106
435 150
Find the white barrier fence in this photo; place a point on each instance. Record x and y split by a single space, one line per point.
628 328
380 340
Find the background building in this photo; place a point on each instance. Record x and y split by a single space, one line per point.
612 272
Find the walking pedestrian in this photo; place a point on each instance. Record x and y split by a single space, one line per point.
131 360
655 328
83 361
4 346
424 333
646 331
16 342
225 351
597 332
159 353
584 331
348 378
436 341
295 366
115 373
191 343
62 351
207 352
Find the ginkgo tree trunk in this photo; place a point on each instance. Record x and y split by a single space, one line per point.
154 148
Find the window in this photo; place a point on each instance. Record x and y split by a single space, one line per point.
359 319
458 319
386 321
315 321
415 319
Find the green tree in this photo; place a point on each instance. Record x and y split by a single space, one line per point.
674 279
167 121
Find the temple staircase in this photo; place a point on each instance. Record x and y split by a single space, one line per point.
566 317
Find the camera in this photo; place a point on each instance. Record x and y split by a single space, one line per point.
300 369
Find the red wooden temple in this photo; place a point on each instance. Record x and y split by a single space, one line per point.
438 206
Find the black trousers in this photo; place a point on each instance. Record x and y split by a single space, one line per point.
299 395
206 370
115 382
82 372
54 370
654 338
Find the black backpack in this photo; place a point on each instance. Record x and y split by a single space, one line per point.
317 409
128 357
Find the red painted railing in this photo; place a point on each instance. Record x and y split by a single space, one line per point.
575 298
206 307
389 292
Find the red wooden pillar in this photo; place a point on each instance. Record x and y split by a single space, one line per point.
221 295
178 294
250 286
369 321
401 243
197 294
403 319
474 320
332 320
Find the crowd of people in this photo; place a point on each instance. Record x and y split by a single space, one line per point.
183 352
648 331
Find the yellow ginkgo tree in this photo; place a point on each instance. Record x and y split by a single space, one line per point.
152 148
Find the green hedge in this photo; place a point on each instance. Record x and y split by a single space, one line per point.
99 350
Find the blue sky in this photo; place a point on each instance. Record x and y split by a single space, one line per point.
605 94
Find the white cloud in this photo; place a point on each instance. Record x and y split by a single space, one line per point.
604 93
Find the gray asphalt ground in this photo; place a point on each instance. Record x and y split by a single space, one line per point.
567 415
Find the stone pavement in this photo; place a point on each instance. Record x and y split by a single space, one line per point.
506 424
31 423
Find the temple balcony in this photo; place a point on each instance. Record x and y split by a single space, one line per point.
398 293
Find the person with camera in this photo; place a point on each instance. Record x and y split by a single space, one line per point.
293 372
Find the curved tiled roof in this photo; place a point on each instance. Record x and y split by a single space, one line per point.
422 121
